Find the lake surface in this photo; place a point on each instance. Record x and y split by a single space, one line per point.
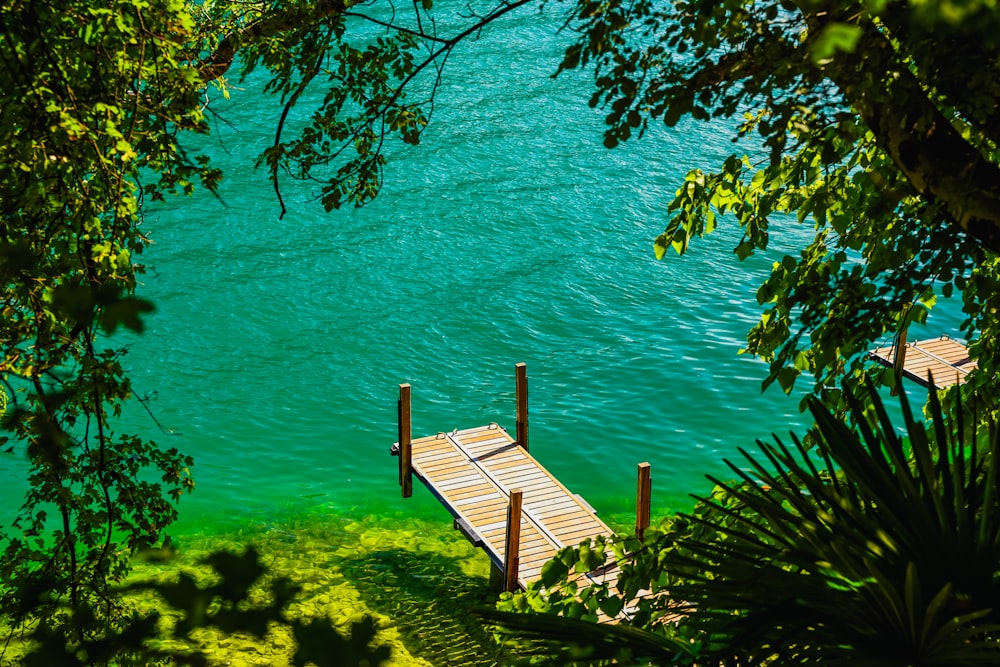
509 235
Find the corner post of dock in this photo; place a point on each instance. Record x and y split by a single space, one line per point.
512 545
405 441
899 356
642 500
521 393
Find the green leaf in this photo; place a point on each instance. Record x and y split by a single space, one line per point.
126 311
553 572
786 378
612 606
834 38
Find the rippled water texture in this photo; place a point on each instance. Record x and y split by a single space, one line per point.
509 235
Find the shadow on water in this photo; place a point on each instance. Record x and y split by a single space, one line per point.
429 598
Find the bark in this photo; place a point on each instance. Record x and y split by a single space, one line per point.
940 164
219 62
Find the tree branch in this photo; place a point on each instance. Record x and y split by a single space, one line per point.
932 154
219 62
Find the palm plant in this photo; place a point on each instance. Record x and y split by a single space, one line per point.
868 547
859 546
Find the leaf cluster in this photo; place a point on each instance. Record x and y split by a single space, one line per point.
94 98
814 93
879 546
872 549
365 73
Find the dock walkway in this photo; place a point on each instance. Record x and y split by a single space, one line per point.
501 498
475 472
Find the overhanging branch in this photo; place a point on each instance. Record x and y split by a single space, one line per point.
219 62
925 146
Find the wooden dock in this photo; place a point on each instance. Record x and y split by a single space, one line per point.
945 358
500 497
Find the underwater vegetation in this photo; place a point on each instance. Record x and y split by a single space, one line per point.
417 580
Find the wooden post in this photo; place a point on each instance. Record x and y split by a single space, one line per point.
521 392
497 582
513 543
405 445
642 494
899 357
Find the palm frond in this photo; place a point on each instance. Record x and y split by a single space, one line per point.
577 642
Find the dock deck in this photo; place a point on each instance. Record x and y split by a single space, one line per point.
474 472
946 358
502 499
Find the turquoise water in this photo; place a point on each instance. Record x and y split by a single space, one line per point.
509 235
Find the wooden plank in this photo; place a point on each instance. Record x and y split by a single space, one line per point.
504 459
562 522
483 436
477 491
469 501
510 466
455 473
465 495
561 506
536 480
561 525
492 449
572 538
518 476
507 466
480 438
439 472
439 466
436 452
470 505
947 359
458 481
543 497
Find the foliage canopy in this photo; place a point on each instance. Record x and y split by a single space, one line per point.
874 121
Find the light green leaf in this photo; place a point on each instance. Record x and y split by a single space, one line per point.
834 38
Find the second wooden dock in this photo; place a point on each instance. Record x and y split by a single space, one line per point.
945 358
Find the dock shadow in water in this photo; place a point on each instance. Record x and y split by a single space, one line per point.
429 599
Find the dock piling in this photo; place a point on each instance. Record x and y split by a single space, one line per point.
513 542
405 442
642 500
521 392
899 358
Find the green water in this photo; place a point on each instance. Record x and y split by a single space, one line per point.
509 235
